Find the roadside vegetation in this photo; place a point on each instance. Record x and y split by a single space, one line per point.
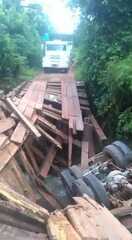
103 55
21 28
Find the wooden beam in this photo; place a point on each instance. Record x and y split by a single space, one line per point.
19 133
59 228
32 158
48 161
28 124
27 190
51 127
98 129
50 114
93 221
7 153
20 128
23 202
25 162
38 153
48 136
18 218
54 204
3 140
6 124
52 109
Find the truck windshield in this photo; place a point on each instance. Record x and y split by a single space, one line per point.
56 47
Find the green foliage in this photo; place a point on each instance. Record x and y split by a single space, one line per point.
20 44
124 128
103 54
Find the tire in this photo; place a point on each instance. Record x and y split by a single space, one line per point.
122 146
128 157
97 187
67 179
80 188
116 154
75 172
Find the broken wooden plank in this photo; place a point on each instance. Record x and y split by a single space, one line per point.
59 228
28 124
32 158
6 124
51 127
49 137
52 109
12 216
50 114
27 166
20 128
48 161
22 202
37 152
3 140
98 129
7 153
19 133
13 233
89 219
54 204
22 181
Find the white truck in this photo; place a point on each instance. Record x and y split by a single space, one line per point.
56 55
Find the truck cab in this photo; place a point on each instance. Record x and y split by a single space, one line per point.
56 55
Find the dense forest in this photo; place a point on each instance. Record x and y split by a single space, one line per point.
21 28
103 53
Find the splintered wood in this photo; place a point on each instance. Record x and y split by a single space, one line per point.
44 127
32 100
85 220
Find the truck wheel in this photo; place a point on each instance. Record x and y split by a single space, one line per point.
67 179
97 187
75 172
80 188
128 157
122 146
116 154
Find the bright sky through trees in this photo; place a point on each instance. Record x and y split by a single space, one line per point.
61 16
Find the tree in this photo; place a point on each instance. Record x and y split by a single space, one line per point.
103 44
20 40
